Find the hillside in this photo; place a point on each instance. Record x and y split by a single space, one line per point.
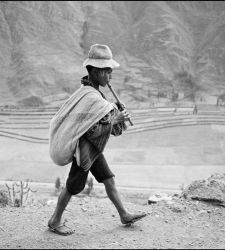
165 48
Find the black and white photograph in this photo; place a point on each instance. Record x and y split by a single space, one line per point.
112 124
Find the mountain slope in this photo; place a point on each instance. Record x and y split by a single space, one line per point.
164 48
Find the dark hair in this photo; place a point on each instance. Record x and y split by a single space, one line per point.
89 68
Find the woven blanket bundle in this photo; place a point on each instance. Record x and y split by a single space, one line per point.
84 108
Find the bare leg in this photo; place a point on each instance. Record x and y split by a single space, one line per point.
114 196
55 220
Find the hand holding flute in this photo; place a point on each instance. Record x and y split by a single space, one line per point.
121 117
124 114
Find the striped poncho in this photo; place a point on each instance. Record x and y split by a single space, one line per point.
76 116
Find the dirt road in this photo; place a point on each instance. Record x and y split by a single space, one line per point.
178 223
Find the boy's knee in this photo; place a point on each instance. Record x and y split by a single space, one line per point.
109 182
75 190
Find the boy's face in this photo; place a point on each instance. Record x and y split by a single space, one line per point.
104 76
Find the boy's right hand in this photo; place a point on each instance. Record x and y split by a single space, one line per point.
121 116
120 106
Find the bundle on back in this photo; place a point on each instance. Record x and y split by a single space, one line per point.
82 110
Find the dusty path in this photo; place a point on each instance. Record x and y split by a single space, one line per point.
173 224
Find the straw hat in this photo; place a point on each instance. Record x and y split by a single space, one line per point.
100 56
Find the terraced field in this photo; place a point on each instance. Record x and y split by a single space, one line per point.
165 148
32 124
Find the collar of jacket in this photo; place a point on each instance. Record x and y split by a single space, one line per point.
86 82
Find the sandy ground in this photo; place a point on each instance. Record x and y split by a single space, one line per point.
176 223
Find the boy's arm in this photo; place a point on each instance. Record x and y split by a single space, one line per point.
105 124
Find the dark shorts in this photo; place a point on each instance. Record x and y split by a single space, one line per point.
77 176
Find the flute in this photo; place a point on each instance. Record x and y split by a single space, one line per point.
117 99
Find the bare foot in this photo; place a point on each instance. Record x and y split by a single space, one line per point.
131 218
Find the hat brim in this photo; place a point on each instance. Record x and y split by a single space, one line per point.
101 63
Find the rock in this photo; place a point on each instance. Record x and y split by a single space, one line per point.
159 197
51 202
211 190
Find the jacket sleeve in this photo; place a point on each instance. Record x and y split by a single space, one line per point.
104 125
117 129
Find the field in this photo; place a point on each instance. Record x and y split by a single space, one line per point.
163 152
166 147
